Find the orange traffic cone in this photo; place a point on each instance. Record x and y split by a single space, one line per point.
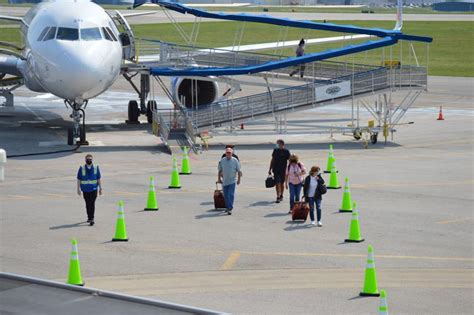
440 114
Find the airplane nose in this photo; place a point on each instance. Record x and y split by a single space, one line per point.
82 71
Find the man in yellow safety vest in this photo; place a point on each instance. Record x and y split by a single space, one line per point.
88 182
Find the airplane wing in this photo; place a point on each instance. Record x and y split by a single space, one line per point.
126 15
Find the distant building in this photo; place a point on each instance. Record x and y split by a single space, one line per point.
461 6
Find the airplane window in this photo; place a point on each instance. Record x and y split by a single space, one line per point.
66 33
90 33
112 34
45 30
106 34
50 34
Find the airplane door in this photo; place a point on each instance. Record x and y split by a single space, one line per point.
126 37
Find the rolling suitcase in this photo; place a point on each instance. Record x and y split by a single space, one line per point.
219 201
300 211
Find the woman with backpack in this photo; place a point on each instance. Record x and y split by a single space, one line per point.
294 179
313 190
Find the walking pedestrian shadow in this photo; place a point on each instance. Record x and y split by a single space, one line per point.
276 214
261 203
211 213
68 226
298 225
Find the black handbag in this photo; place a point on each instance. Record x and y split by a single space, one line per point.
270 182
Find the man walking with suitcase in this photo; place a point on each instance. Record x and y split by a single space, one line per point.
229 171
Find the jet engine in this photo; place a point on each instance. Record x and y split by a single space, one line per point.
192 93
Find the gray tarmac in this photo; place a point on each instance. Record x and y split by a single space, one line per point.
160 17
415 198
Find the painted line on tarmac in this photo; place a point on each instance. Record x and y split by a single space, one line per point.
360 256
231 261
193 251
20 197
455 221
126 193
58 195
281 279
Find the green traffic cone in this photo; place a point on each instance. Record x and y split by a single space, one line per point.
120 229
185 165
175 176
151 204
333 181
331 160
370 281
383 307
354 230
346 198
74 274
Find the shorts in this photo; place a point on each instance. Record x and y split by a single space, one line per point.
279 176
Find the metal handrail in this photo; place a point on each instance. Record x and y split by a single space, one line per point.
300 96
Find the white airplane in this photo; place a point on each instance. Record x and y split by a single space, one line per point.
75 50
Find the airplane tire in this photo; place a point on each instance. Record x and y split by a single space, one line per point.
82 136
133 111
150 107
70 136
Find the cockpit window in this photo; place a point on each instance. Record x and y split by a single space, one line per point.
90 33
106 34
50 35
45 30
112 34
66 33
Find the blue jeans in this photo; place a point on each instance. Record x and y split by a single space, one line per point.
229 192
311 202
295 192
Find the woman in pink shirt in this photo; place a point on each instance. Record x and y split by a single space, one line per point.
294 179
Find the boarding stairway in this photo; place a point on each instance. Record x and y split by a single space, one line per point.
324 83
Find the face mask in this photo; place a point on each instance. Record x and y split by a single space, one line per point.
89 162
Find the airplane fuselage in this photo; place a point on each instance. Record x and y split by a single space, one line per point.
72 49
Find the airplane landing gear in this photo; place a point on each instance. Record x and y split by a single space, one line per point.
150 107
142 107
78 130
133 113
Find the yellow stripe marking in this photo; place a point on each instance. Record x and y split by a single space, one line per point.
231 261
126 193
272 279
455 221
192 251
20 197
57 195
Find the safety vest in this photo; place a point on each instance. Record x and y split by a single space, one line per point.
92 182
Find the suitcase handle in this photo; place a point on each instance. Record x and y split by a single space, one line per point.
217 185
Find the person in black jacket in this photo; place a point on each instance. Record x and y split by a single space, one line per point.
313 189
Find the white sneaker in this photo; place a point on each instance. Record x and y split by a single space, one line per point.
313 223
319 223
